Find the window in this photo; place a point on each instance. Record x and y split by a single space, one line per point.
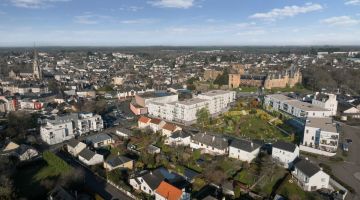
307 130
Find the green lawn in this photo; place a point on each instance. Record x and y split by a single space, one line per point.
267 184
293 192
247 176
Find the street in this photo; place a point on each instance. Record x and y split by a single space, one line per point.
94 182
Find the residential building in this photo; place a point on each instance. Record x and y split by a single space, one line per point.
244 150
299 109
166 191
309 176
89 157
143 122
209 143
285 153
320 134
99 140
74 147
123 132
115 162
326 101
25 152
168 129
66 127
156 124
179 137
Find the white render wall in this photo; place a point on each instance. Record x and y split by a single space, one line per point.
285 157
243 155
57 133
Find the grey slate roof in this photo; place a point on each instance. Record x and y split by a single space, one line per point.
211 140
180 134
73 143
245 145
87 154
286 146
308 168
115 161
98 138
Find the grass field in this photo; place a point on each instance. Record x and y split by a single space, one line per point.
293 192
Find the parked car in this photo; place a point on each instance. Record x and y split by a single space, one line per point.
345 146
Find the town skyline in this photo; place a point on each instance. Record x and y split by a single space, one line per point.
178 23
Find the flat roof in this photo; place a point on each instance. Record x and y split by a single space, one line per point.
281 97
192 101
305 106
215 92
325 124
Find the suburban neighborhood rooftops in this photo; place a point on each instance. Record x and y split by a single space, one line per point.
290 147
211 140
117 160
87 154
73 143
180 134
305 166
169 127
169 191
155 121
325 124
98 138
245 145
144 119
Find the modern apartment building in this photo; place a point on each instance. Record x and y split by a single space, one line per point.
326 101
299 109
216 101
320 134
66 127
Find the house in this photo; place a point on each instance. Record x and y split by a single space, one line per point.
143 122
25 152
208 143
168 129
148 181
115 162
123 132
99 140
153 149
309 176
9 147
285 153
156 124
244 150
179 137
89 157
74 147
166 191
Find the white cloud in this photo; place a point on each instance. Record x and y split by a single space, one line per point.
287 11
89 18
173 3
138 21
34 3
252 33
352 2
341 21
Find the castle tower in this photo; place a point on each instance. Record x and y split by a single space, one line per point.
37 74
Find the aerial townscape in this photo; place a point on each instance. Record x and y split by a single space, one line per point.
204 109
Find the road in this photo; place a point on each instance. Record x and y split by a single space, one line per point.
94 182
348 170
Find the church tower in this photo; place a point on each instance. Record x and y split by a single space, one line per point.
36 68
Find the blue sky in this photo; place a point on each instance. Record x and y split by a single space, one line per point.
179 22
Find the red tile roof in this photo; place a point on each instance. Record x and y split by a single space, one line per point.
155 121
169 126
168 191
144 119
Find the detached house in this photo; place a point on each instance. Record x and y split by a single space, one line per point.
115 162
25 152
208 143
179 138
156 124
309 176
143 122
168 129
166 191
285 153
89 157
99 140
74 147
243 150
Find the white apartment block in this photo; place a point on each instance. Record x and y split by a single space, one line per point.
216 101
300 109
321 134
326 101
66 127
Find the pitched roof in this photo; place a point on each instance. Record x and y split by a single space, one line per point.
308 168
168 191
290 147
98 138
211 140
155 121
73 143
170 127
144 119
245 145
87 154
115 161
180 134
